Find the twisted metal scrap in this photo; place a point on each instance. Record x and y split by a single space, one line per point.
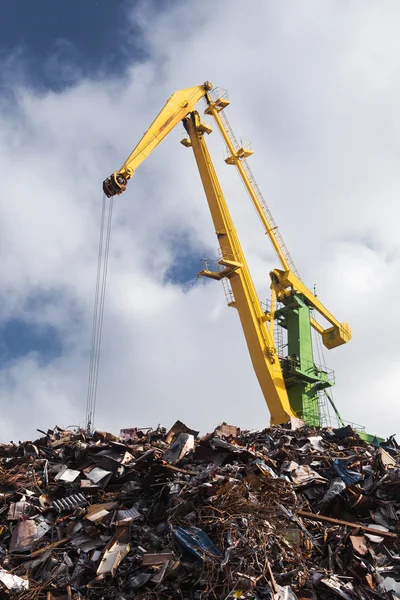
244 521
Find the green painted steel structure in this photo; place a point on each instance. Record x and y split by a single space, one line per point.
303 378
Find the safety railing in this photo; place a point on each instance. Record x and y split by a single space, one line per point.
292 364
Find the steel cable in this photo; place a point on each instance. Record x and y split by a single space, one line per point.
95 312
98 310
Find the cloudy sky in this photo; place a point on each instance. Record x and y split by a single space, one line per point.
315 87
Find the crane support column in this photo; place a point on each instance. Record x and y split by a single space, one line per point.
259 340
304 380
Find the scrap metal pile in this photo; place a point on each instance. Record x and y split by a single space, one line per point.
278 514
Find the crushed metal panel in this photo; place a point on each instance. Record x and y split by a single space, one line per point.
69 502
197 542
104 436
177 428
359 543
127 458
305 474
95 556
163 561
91 545
226 430
97 474
265 469
17 510
386 458
127 516
341 433
133 433
94 508
315 442
88 485
86 543
338 587
13 582
291 466
109 463
157 559
128 433
68 475
23 536
112 558
42 528
390 585
61 442
206 454
97 517
183 444
158 577
373 537
337 486
296 423
284 593
138 580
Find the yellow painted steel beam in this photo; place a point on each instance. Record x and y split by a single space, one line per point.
338 334
176 108
259 340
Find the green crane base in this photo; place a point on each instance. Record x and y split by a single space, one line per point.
303 378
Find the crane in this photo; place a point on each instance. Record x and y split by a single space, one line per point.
291 384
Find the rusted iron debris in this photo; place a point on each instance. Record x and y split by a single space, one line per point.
279 514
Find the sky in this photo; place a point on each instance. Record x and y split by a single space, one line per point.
314 86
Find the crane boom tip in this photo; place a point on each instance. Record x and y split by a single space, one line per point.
115 184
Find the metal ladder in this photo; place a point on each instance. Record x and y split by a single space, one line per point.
230 298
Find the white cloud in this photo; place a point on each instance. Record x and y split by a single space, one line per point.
315 86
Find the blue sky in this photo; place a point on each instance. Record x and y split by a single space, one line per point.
53 45
62 41
313 85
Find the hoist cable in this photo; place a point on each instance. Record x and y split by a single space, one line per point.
95 312
101 311
98 316
98 311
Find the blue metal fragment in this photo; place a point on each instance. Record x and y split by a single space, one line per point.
347 476
195 541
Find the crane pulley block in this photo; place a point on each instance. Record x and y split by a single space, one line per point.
114 185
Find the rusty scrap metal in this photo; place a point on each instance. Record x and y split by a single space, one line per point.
260 515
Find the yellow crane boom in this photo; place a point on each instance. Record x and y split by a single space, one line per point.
176 108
